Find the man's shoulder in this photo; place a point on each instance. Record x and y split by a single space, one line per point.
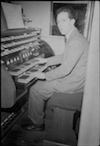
77 36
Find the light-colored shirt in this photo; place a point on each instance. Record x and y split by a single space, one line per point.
73 61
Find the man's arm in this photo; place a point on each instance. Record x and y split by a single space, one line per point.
49 61
54 60
70 59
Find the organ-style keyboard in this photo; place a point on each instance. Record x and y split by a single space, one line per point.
19 50
19 46
28 76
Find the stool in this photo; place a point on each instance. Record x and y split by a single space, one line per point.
61 117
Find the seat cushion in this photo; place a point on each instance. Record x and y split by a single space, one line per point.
66 101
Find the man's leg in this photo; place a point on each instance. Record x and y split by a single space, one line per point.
39 93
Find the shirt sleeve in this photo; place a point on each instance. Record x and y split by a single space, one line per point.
54 60
70 58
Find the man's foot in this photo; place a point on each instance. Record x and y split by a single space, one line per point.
31 126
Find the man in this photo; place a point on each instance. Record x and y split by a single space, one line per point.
69 77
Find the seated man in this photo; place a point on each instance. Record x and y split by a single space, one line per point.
69 77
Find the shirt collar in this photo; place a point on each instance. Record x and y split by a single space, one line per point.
69 34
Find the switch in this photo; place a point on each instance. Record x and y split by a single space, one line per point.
23 56
11 60
7 62
14 59
18 58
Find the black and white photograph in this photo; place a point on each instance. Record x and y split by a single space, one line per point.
50 75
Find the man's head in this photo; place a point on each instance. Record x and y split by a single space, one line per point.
65 19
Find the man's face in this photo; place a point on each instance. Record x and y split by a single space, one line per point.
64 23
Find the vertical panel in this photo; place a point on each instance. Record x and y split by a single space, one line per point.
89 19
3 21
89 126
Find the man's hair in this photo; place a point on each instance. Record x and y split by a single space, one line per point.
68 9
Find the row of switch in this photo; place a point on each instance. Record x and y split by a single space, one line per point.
18 43
25 35
8 62
24 55
8 120
33 45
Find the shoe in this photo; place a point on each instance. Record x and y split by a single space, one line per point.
31 127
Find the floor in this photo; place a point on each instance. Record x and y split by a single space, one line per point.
20 137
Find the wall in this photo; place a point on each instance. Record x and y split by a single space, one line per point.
57 43
3 21
89 126
39 12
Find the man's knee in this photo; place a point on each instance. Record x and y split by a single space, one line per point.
32 90
35 88
42 88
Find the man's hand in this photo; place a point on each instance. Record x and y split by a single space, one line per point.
41 60
39 75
